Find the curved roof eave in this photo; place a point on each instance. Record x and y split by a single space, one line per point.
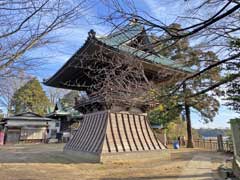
134 52
49 82
71 59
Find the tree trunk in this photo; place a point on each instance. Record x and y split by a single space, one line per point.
189 126
188 120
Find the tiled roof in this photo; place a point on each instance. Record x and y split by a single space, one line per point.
63 111
126 34
119 41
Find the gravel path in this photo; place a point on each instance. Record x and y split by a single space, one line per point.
199 168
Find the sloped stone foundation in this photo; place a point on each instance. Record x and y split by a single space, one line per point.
109 132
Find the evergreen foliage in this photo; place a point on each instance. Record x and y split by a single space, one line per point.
233 94
233 88
206 104
175 129
167 111
30 97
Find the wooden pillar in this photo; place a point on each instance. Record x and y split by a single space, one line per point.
220 143
210 141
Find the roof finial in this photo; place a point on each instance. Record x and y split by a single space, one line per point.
133 21
91 33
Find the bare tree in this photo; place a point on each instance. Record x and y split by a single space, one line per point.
9 86
54 94
30 24
110 76
116 78
215 23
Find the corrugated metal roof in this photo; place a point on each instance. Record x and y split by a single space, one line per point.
22 118
29 116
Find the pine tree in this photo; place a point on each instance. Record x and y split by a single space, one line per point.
30 97
207 105
233 93
233 88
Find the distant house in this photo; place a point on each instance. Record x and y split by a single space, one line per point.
29 127
68 117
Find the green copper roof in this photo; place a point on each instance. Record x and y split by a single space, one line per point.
119 41
123 36
60 109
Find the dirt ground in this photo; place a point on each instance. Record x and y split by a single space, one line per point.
48 162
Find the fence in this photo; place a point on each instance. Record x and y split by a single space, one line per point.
214 145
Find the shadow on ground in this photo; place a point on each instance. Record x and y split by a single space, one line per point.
47 161
205 176
53 153
35 153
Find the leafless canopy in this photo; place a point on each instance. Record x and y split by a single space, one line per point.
55 94
30 24
110 75
116 77
8 87
213 23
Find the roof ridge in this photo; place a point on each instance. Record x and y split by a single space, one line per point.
158 59
28 112
127 33
125 28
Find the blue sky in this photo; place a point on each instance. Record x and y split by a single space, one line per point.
220 120
72 38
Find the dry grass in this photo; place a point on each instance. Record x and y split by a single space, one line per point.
47 162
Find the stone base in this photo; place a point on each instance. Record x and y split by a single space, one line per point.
84 157
113 133
137 156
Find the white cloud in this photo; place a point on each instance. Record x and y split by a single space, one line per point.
158 10
167 11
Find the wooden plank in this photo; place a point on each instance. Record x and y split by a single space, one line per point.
117 118
112 133
148 132
133 135
126 131
136 132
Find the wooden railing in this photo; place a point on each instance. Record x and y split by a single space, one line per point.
228 146
214 145
206 144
